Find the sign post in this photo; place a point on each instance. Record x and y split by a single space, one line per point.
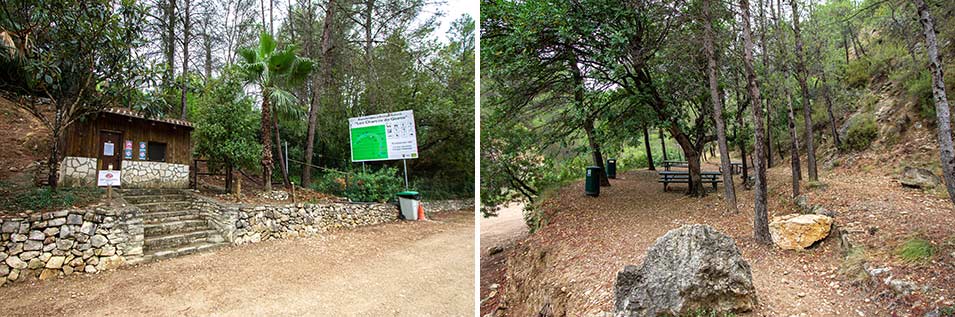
383 137
108 178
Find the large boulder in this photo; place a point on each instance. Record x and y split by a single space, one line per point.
918 177
796 231
687 270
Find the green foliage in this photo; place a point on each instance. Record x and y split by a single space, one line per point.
915 250
376 186
862 132
39 199
853 266
226 125
920 88
857 73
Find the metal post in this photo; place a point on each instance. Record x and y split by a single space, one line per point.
363 167
406 173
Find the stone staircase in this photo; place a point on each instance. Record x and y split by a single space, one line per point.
171 227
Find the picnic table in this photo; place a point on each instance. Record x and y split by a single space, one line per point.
672 163
736 168
667 177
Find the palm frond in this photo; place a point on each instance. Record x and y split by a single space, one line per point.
266 45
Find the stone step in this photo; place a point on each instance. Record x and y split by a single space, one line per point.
169 216
171 227
180 239
164 206
143 199
171 252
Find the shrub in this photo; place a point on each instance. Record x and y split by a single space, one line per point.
857 73
862 131
916 250
375 186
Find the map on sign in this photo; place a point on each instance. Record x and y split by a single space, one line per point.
386 136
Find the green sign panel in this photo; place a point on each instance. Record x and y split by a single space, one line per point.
369 143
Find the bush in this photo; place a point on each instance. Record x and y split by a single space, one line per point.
862 131
916 250
376 186
857 73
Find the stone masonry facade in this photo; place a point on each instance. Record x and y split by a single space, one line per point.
81 171
143 174
51 244
78 171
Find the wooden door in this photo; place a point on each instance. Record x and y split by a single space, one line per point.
110 150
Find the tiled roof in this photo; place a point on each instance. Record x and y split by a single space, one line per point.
134 114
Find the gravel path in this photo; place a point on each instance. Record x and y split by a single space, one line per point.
398 269
568 267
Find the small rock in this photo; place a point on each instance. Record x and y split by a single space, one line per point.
98 241
16 263
48 274
35 264
90 269
55 262
917 177
495 250
795 231
37 235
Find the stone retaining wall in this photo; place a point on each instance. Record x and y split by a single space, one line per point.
448 205
51 244
241 224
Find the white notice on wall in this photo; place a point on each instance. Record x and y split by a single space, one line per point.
108 149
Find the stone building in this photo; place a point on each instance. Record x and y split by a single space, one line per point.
148 153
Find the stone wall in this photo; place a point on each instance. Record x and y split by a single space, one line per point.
145 174
78 171
56 243
241 224
448 205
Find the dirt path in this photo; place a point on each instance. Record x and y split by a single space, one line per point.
398 269
500 231
568 267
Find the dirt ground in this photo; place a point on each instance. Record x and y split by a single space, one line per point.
397 269
568 267
500 231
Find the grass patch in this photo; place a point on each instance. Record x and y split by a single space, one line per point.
816 185
709 313
39 199
853 266
862 131
915 250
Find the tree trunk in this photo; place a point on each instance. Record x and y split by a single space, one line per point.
741 107
266 128
832 117
371 84
170 37
319 90
595 151
663 144
761 217
794 149
208 46
186 29
646 144
54 163
801 75
946 153
711 69
278 145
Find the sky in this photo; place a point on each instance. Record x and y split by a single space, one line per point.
454 9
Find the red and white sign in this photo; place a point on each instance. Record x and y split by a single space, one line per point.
108 178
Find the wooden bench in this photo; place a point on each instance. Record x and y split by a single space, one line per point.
736 168
681 177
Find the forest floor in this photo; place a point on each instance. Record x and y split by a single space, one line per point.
569 266
397 269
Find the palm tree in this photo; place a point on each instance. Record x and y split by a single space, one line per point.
273 71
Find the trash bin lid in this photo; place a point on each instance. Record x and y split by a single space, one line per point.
409 194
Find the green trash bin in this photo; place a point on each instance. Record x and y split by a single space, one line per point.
408 202
592 182
612 168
